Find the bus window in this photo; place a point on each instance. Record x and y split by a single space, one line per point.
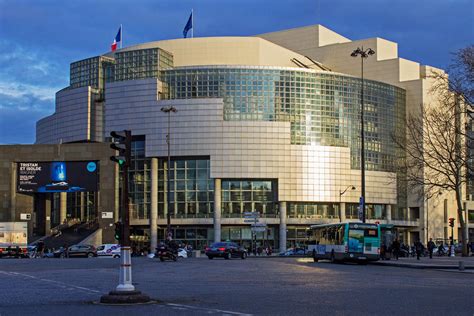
370 233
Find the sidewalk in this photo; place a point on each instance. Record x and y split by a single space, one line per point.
427 263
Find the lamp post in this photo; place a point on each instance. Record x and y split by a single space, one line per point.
363 55
341 193
168 109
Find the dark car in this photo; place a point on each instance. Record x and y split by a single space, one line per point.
61 252
87 251
226 250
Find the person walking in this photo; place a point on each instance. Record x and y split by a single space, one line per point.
418 249
396 248
431 247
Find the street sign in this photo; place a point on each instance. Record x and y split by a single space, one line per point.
258 229
259 225
250 220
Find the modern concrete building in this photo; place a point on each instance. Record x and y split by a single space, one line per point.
268 123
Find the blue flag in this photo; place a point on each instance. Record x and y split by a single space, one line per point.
188 26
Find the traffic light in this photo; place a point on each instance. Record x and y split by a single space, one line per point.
118 231
451 222
122 142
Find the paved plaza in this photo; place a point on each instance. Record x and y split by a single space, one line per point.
276 286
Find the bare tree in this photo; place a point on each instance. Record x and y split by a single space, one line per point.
437 144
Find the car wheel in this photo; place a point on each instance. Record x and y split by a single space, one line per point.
162 259
244 255
90 255
210 257
175 258
62 256
227 256
116 256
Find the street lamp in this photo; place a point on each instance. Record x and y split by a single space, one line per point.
341 193
168 109
363 55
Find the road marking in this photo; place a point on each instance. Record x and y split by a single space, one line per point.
209 310
60 284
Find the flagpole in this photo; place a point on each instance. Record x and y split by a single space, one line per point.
121 36
192 23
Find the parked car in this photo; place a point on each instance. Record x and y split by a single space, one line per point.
293 252
109 250
226 250
87 251
61 252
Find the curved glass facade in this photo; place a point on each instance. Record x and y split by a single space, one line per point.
322 107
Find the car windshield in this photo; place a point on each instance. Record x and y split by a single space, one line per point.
219 244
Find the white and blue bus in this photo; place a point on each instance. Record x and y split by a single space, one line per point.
357 242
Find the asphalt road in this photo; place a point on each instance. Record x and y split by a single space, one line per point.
276 286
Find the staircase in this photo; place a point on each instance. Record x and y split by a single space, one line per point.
70 235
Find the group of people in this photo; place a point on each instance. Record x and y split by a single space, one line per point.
396 249
259 250
417 249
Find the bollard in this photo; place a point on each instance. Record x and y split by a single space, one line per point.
461 265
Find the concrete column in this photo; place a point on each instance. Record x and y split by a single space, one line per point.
62 207
217 210
47 214
154 205
282 226
389 213
83 205
343 211
13 194
165 188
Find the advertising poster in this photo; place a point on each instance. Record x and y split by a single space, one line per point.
57 176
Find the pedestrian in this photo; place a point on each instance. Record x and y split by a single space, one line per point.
431 247
40 249
396 248
418 249
383 252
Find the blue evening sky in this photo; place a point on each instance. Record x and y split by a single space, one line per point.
40 38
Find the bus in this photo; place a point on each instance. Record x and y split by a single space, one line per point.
357 242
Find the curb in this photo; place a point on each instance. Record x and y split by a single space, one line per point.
418 266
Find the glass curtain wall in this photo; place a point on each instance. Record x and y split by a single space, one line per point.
313 210
239 196
192 188
323 108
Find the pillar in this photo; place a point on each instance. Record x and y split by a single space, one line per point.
165 190
83 205
47 214
342 207
282 226
13 215
154 205
389 213
217 210
62 207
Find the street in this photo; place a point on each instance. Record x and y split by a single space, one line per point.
276 286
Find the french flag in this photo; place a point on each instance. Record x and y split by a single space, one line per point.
117 39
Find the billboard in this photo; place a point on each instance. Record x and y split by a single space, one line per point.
57 176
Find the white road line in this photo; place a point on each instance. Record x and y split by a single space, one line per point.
209 310
60 284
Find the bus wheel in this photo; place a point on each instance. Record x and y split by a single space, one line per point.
333 257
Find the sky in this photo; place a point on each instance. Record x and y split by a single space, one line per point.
40 38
